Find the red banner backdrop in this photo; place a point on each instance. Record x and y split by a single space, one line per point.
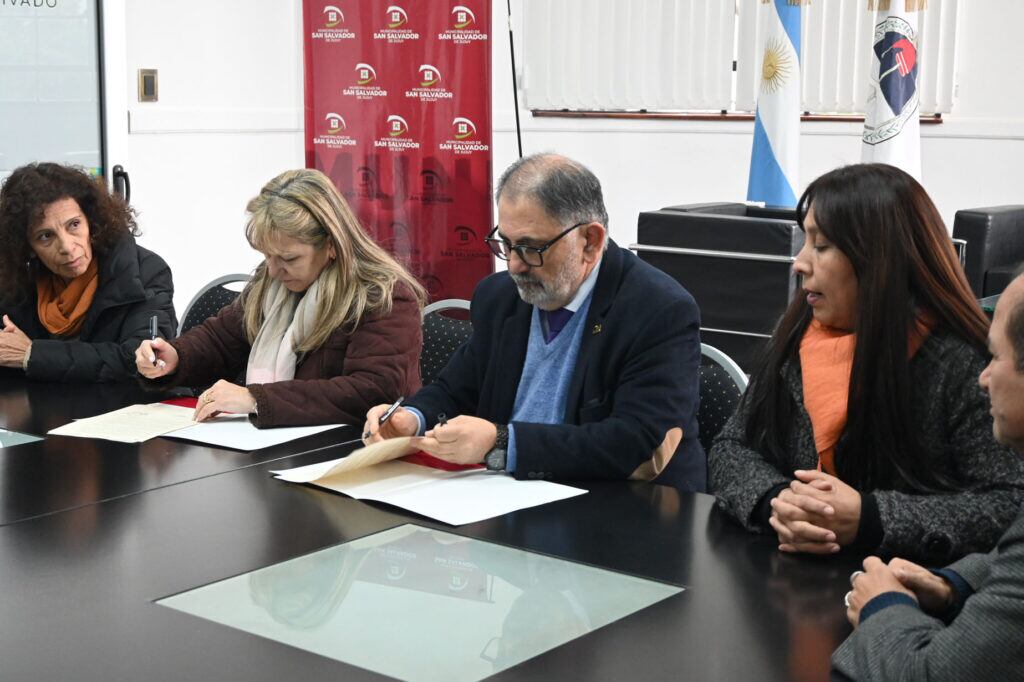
398 114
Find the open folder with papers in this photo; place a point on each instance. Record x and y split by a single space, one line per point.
381 472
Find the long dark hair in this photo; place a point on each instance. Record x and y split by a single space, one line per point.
23 199
882 220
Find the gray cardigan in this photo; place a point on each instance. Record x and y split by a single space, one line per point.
952 413
900 642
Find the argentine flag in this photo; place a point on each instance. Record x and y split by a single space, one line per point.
775 159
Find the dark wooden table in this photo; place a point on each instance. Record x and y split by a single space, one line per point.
78 584
61 473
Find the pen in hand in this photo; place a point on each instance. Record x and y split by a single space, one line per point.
154 331
386 416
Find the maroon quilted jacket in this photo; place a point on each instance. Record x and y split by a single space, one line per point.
336 383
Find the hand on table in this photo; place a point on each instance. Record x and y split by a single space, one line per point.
401 423
818 513
933 592
223 396
462 440
876 579
14 344
801 523
156 358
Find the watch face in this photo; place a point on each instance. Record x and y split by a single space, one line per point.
495 460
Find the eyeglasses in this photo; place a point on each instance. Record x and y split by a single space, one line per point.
531 255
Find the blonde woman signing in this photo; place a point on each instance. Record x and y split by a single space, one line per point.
328 326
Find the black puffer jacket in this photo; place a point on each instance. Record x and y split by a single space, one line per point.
135 284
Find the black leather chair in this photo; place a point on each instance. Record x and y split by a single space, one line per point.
994 239
210 299
737 262
446 326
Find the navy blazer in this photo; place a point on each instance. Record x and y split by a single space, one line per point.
631 410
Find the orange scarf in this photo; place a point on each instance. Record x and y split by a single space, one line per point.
62 306
826 362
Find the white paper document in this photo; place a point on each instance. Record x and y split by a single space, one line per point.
234 431
132 424
453 497
139 423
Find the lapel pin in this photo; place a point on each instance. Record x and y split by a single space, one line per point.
596 329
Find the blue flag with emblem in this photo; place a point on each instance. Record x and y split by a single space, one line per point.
775 158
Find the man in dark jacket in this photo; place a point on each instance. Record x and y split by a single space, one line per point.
963 621
584 361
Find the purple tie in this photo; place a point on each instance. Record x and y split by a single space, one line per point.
557 320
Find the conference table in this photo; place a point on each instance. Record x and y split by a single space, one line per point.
103 545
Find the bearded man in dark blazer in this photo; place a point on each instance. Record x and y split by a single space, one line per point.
965 621
584 361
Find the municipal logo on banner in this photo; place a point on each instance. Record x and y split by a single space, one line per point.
368 184
398 138
334 136
396 26
463 28
433 188
332 27
401 243
430 85
364 84
463 138
466 240
895 48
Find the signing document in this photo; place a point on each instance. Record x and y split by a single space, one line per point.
236 432
132 424
139 423
453 497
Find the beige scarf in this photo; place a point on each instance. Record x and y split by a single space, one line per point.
288 319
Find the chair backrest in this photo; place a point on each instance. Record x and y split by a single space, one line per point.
736 261
993 244
210 299
442 336
722 383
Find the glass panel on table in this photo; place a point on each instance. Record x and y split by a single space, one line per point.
421 604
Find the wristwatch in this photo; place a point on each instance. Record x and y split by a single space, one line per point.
496 458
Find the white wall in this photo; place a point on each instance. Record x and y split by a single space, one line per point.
229 118
973 159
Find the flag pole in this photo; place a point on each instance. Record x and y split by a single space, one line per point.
515 88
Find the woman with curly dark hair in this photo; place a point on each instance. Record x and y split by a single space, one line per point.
76 292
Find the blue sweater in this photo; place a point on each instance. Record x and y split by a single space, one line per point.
634 384
547 373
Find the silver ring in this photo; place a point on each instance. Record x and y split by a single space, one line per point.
853 576
846 599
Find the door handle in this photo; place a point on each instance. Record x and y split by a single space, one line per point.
122 183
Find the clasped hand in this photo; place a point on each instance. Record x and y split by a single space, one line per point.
933 593
462 440
817 514
14 343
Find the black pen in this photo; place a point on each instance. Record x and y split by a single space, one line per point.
387 415
154 332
